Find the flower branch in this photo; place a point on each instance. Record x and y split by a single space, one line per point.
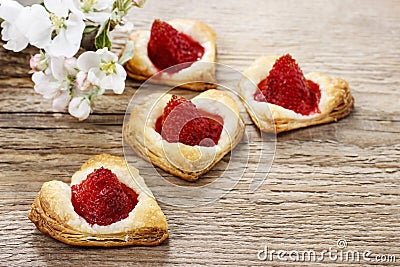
57 27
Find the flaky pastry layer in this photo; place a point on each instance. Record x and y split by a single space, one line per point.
184 161
199 76
53 214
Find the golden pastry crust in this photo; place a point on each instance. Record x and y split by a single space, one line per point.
53 214
199 76
336 100
184 161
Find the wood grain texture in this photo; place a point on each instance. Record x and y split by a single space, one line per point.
339 180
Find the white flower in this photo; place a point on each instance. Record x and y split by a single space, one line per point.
60 8
103 70
39 26
38 62
46 84
70 66
82 83
60 102
62 68
97 11
68 40
12 13
56 78
58 82
79 107
66 27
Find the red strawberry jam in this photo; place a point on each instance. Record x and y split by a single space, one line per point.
102 199
287 87
183 122
168 47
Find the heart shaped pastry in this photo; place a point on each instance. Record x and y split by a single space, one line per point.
182 48
103 206
280 98
185 137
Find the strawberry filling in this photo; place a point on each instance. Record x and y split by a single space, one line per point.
182 122
168 47
102 199
287 87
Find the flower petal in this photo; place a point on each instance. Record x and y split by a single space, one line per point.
16 40
57 68
59 7
16 45
113 82
107 55
79 107
68 40
119 79
95 76
9 10
120 71
75 27
39 30
70 66
98 11
107 82
45 85
88 60
75 8
60 46
98 17
103 5
60 102
82 82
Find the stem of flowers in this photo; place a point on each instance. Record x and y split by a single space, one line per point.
71 83
102 38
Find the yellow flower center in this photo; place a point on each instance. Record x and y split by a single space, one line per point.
57 22
87 5
108 67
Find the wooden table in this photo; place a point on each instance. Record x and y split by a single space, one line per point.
329 182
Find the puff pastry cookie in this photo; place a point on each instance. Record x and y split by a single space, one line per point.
198 76
334 99
188 162
54 214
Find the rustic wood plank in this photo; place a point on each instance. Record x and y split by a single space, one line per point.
327 182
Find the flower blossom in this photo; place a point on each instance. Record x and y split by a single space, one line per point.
55 29
39 62
103 70
55 80
14 32
61 101
79 107
82 83
97 11
74 83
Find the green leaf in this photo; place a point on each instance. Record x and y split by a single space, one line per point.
128 52
103 38
90 28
